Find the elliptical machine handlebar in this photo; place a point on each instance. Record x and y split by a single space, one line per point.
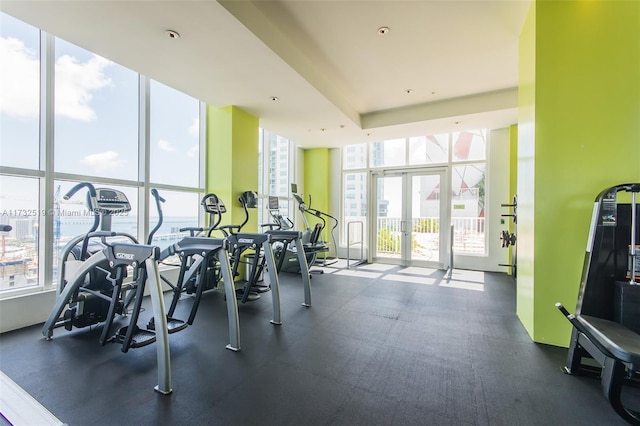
92 201
77 187
302 206
159 199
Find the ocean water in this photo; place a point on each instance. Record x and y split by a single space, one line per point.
165 235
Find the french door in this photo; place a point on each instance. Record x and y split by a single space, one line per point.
411 225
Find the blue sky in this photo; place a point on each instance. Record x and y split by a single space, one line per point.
96 116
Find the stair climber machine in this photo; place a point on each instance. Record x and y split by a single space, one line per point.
202 263
94 283
605 339
311 237
259 264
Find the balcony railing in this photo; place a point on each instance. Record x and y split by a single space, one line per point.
469 235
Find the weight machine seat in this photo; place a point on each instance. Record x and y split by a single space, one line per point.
620 342
617 349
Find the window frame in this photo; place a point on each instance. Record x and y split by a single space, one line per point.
47 174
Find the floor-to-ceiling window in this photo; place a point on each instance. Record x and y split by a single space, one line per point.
276 174
20 152
468 171
354 199
410 179
69 116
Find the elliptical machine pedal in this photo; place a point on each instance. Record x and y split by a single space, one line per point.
173 325
139 338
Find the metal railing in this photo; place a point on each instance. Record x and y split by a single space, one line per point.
468 238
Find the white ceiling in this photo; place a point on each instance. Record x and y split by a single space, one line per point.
338 81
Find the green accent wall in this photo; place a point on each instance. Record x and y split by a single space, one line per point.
316 180
513 181
232 160
525 170
578 132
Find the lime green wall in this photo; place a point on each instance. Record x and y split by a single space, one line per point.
513 182
525 185
581 61
513 160
316 180
232 160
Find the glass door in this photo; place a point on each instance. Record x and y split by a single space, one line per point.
411 218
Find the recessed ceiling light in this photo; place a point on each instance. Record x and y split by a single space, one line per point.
383 31
274 98
172 34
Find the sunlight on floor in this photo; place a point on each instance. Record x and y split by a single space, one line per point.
421 271
460 279
471 276
376 267
463 285
358 273
410 279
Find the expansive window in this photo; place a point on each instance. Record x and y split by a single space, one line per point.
354 156
179 210
175 136
19 93
468 191
19 247
433 149
96 115
81 120
276 174
462 153
354 194
388 153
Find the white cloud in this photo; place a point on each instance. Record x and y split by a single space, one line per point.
194 129
19 79
75 83
103 161
165 145
193 151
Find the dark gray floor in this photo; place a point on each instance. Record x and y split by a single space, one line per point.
380 346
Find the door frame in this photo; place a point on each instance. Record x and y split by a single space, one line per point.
445 216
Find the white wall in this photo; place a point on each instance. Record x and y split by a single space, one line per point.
23 311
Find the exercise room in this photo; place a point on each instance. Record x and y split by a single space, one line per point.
244 212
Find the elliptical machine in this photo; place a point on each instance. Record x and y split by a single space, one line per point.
261 261
93 283
203 263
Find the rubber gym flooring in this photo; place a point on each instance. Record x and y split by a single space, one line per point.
381 345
